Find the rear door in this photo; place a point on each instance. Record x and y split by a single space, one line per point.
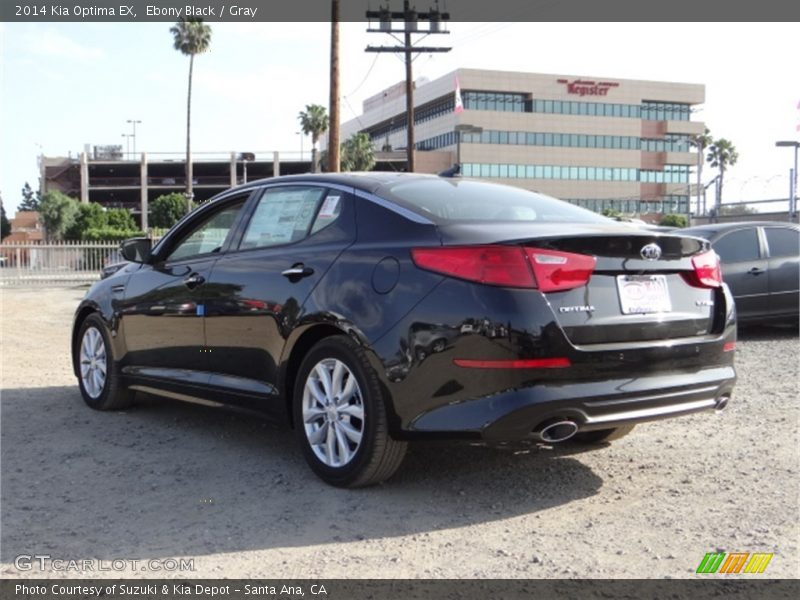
744 269
294 234
783 246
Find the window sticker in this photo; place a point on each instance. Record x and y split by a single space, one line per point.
329 207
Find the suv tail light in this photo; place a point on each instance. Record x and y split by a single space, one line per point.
509 266
707 272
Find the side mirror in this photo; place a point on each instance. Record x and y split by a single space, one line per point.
136 249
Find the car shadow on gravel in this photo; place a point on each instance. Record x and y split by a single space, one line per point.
171 479
767 332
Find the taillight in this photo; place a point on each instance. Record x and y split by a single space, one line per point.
556 271
509 266
494 265
707 272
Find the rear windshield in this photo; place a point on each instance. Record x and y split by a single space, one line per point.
444 200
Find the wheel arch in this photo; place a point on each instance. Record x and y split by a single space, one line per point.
80 316
291 363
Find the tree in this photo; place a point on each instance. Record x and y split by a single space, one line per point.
701 141
120 219
59 212
5 225
674 220
314 122
88 216
736 210
30 200
721 155
166 210
190 37
357 153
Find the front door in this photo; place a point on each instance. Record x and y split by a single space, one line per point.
164 303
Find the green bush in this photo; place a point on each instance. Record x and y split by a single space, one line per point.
120 218
89 216
109 234
166 210
673 220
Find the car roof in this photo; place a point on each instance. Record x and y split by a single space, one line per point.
369 181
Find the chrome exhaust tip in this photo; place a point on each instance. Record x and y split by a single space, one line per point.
722 402
557 431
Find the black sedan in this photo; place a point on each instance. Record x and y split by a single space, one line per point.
367 310
761 264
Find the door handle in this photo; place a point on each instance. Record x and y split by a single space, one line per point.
298 271
193 280
755 271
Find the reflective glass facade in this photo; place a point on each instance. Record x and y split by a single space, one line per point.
665 204
515 102
671 173
671 143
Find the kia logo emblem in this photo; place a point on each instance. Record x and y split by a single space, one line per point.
651 252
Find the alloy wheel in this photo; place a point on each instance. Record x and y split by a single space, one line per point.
94 361
333 412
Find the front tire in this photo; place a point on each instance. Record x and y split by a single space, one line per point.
98 373
340 416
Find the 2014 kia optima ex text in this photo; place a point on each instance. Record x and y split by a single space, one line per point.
368 310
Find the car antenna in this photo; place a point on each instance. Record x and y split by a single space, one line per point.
452 171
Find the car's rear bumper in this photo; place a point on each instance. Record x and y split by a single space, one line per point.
519 414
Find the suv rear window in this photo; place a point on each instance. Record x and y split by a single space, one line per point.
444 200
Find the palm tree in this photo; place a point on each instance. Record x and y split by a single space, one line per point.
721 155
190 37
314 122
701 141
358 153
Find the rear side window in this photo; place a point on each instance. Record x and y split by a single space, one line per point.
442 199
738 246
282 216
782 241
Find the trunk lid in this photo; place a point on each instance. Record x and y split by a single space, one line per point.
641 288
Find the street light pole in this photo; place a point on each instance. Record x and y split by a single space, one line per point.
793 178
133 135
127 137
300 133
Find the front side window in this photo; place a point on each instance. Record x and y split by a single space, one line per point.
283 216
209 236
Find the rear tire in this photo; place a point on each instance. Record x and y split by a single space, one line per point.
602 436
340 416
99 376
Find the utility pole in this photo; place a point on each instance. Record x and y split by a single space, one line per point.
410 18
333 118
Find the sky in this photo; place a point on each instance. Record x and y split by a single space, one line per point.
68 84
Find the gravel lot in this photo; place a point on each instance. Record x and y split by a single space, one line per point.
166 479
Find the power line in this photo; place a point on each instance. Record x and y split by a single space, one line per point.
409 18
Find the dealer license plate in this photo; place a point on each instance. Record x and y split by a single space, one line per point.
642 294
